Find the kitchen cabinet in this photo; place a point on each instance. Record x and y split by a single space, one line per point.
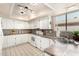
14 24
41 42
7 23
8 41
14 40
18 39
21 39
38 42
11 41
45 23
44 43
21 25
41 23
4 44
32 40
26 25
31 23
35 24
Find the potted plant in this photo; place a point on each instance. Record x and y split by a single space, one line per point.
76 35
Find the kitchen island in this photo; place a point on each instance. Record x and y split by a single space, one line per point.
61 47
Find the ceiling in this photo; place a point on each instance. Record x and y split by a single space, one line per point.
60 8
12 10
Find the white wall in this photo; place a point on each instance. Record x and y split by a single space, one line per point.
1 38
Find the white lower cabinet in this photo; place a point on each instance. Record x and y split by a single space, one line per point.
13 40
44 43
4 43
8 41
40 42
32 40
20 39
35 41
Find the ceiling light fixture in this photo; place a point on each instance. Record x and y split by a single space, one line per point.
24 9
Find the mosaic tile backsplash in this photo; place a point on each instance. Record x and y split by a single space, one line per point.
15 31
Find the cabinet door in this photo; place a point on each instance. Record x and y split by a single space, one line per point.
8 41
8 23
44 43
32 40
4 43
21 25
11 41
18 39
26 25
38 42
37 23
24 38
32 24
44 23
18 25
35 41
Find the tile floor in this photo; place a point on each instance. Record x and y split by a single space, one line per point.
25 49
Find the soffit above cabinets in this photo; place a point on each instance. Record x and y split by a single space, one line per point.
12 10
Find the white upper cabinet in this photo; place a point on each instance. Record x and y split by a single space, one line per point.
31 24
42 23
7 23
21 25
14 24
37 23
45 23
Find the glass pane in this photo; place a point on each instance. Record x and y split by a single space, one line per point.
72 18
73 15
60 19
